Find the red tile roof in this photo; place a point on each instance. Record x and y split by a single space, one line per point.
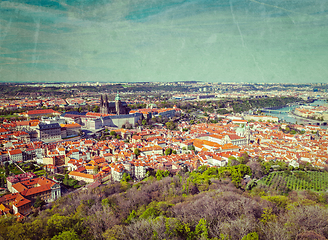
20 201
42 111
14 152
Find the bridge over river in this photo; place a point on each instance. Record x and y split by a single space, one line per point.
289 112
301 120
274 111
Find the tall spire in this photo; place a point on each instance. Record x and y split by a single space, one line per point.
118 104
117 97
101 101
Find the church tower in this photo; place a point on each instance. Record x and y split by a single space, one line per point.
101 101
103 105
106 105
118 104
248 134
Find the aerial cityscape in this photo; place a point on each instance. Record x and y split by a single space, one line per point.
109 160
163 119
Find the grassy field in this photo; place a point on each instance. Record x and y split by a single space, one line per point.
297 180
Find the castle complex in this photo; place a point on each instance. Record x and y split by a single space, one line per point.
118 107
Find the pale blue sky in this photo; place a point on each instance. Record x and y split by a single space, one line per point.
167 40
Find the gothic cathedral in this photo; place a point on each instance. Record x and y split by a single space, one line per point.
118 107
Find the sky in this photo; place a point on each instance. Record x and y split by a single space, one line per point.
272 41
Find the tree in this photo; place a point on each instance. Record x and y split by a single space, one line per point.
256 169
57 223
132 216
244 158
161 173
65 181
7 168
170 125
310 235
136 151
201 230
232 161
2 182
191 147
114 232
267 216
251 236
168 151
66 235
96 109
144 122
39 202
126 177
202 169
150 212
112 133
95 170
238 172
266 166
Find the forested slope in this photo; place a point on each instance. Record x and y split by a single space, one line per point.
204 204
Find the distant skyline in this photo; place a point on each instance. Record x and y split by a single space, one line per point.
272 41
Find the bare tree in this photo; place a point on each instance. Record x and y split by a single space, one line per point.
256 169
310 235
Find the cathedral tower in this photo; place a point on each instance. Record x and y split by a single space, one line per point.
103 105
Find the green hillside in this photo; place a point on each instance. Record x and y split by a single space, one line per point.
209 203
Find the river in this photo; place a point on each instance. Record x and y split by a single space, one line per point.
285 116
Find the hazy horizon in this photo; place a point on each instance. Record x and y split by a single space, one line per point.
272 41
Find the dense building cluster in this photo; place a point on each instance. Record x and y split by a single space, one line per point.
25 189
57 143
